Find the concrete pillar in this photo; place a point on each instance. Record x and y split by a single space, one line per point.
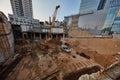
23 35
34 35
51 36
27 35
46 36
56 35
31 35
40 36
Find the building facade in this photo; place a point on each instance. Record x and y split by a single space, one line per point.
25 23
27 8
17 7
93 20
6 39
110 17
104 15
93 16
112 22
116 23
23 15
98 14
88 5
112 3
22 8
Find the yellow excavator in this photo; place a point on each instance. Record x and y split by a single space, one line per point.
52 24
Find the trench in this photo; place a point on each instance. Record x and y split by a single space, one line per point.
54 78
118 78
5 72
75 75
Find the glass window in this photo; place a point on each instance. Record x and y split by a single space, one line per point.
110 17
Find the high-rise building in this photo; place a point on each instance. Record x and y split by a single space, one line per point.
100 14
88 5
116 25
23 15
110 17
103 14
112 21
17 7
112 3
93 20
92 14
104 10
27 8
22 8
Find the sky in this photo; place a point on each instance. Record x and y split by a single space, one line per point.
43 9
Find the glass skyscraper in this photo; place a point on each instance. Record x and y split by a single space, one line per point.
89 5
92 14
116 23
112 3
110 17
113 17
103 14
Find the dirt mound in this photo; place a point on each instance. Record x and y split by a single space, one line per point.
100 50
101 59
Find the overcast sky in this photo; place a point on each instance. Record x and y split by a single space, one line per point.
42 9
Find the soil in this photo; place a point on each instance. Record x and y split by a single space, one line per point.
101 50
46 61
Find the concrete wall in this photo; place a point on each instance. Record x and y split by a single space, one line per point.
6 39
94 20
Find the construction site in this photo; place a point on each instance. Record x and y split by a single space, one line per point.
52 51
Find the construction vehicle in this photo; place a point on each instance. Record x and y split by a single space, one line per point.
53 23
66 48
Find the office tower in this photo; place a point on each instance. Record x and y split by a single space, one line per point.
112 22
112 3
17 7
89 5
23 15
22 8
92 14
116 23
27 8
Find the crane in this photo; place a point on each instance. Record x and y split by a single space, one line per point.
53 23
54 15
